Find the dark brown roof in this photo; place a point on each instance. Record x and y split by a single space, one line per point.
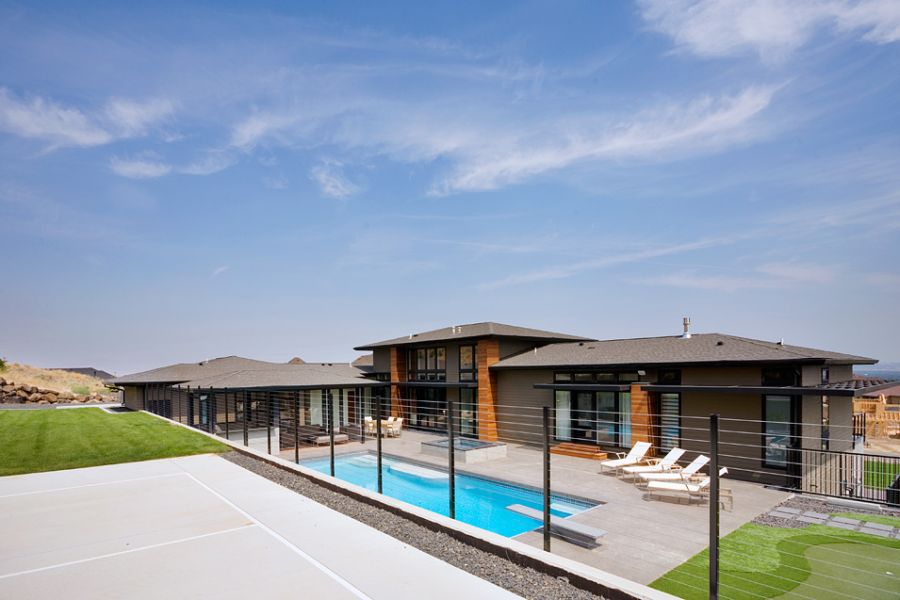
287 376
474 330
187 371
700 348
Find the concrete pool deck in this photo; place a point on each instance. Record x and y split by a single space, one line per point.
200 527
645 538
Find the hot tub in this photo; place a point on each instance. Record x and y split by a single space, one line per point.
468 451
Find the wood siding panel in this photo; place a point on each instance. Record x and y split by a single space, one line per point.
641 415
487 353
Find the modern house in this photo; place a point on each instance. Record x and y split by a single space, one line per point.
775 399
781 406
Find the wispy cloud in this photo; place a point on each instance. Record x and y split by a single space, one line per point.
212 163
770 28
48 121
330 178
139 168
61 126
768 276
275 182
659 134
218 271
563 271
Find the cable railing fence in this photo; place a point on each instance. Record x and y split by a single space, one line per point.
716 509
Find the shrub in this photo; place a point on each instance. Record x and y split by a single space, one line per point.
2 364
81 390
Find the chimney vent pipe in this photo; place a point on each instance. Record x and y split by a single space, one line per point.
687 329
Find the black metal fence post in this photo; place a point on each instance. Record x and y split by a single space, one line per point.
246 417
546 419
227 417
212 412
451 457
714 507
269 422
378 439
330 400
360 416
297 427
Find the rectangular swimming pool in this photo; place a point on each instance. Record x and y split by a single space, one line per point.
480 502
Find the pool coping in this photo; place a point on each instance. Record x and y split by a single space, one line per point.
578 574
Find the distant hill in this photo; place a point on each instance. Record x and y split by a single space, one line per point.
52 379
98 373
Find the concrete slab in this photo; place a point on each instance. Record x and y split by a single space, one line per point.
788 509
811 520
816 515
841 525
846 520
200 527
878 532
782 515
881 526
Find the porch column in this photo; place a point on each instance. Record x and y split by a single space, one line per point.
398 373
641 416
487 352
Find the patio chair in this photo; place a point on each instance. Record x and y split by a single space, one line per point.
676 473
656 465
369 423
634 457
690 489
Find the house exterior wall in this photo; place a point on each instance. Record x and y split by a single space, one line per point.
519 404
133 397
381 360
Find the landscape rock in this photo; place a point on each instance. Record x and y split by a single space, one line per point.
21 393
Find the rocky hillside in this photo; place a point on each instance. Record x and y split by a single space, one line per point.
23 383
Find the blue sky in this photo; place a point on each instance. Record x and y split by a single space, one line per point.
179 182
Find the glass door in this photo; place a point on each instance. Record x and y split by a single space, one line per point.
584 417
607 418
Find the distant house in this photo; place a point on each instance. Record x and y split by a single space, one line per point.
90 371
891 395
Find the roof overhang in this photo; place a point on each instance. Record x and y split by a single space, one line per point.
584 387
472 385
762 390
674 365
366 383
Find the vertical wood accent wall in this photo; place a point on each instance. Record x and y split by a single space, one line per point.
398 373
487 352
641 415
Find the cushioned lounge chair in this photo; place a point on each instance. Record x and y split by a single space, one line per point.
675 473
634 457
689 488
656 465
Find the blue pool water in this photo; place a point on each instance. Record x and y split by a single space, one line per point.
479 502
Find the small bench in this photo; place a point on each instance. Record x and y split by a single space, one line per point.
576 533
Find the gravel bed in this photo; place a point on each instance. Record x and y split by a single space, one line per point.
520 580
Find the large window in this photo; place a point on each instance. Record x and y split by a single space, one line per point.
467 367
593 417
669 420
468 412
427 364
778 413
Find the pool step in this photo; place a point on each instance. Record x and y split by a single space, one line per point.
579 451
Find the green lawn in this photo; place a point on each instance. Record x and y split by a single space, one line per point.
49 440
879 475
819 562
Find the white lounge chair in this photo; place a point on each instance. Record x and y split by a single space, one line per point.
675 473
656 465
369 424
634 457
691 489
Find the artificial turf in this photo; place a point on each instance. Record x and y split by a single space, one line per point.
49 440
879 475
758 561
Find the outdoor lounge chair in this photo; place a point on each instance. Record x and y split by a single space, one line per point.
634 457
676 473
656 465
369 423
691 489
575 533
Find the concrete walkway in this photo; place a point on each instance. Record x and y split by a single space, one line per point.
200 527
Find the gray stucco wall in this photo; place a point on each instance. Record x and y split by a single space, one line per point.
519 404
